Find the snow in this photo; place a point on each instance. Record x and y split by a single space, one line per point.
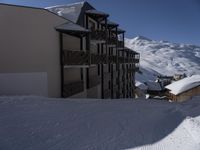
183 85
42 123
166 58
69 11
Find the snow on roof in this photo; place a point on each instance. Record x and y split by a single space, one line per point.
141 85
69 11
71 27
184 84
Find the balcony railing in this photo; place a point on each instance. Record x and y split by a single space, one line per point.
76 57
112 59
73 88
99 35
94 81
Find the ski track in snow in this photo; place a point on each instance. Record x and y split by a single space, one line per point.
41 123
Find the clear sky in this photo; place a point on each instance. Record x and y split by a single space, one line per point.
172 20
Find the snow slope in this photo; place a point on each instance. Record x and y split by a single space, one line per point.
40 123
164 57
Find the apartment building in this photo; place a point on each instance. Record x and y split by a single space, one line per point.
111 68
64 51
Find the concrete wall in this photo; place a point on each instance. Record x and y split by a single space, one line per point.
29 43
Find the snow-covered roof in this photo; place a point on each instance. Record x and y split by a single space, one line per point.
141 85
69 11
71 27
184 84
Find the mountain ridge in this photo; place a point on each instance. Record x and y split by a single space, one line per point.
164 57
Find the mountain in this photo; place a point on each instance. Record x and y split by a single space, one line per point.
165 58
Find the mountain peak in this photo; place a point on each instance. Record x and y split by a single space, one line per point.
142 38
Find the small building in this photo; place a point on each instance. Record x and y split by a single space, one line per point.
184 89
154 88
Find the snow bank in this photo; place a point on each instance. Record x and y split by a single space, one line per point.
42 123
184 84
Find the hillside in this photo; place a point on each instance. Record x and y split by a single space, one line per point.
166 58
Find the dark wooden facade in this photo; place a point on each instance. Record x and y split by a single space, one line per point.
109 65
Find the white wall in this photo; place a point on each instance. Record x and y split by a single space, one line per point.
24 84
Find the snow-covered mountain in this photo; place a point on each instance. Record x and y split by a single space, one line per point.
163 57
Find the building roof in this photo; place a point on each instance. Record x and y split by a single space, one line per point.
153 86
75 12
183 85
71 27
69 11
96 12
110 23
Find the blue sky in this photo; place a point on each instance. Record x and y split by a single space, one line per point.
172 20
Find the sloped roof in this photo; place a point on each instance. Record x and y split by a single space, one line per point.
154 86
183 85
71 27
75 12
110 23
69 11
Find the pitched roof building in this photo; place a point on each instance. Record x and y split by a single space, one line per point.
184 89
68 51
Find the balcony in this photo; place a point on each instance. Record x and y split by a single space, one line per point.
121 59
112 40
94 81
98 59
112 59
120 44
98 35
73 88
76 57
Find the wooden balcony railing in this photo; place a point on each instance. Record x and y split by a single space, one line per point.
112 59
94 81
73 88
76 57
98 35
99 59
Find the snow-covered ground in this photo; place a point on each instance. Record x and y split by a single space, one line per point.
30 123
164 57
